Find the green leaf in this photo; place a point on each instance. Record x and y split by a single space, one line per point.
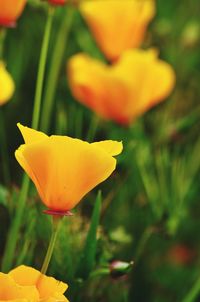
87 259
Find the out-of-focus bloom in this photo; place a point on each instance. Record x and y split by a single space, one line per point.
6 85
125 90
180 254
117 25
64 169
25 284
57 2
10 10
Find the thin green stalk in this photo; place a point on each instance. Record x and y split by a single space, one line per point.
93 128
2 39
15 227
55 66
41 69
193 293
142 243
56 223
4 150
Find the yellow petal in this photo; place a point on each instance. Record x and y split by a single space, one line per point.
30 135
113 36
65 169
9 290
112 147
47 286
7 85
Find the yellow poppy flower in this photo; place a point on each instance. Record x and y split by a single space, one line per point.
10 10
64 169
117 25
25 284
125 90
7 85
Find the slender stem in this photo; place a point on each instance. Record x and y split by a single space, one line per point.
55 66
93 128
56 223
142 243
2 39
41 69
14 230
4 149
193 293
15 227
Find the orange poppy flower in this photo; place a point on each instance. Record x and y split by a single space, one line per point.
125 90
118 25
57 2
7 85
10 10
25 284
64 169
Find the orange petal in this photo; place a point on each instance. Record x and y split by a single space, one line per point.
65 169
112 35
30 135
9 290
47 286
10 10
112 147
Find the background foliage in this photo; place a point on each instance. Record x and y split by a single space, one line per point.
151 206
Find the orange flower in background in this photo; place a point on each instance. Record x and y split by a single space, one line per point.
57 2
25 284
10 10
125 90
7 85
64 169
118 25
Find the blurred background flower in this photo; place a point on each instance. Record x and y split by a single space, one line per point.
10 10
118 25
7 85
123 91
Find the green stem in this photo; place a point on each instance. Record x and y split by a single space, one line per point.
55 66
15 227
56 223
93 128
41 69
4 149
193 293
142 243
2 39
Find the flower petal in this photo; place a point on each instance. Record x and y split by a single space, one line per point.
65 169
30 135
112 147
7 85
10 290
47 286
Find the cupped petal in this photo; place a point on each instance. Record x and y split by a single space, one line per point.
112 147
7 85
9 290
47 287
64 169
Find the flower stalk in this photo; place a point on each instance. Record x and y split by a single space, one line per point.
15 227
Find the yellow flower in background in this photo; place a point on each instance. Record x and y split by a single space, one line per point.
64 169
7 85
26 284
10 10
125 90
118 25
